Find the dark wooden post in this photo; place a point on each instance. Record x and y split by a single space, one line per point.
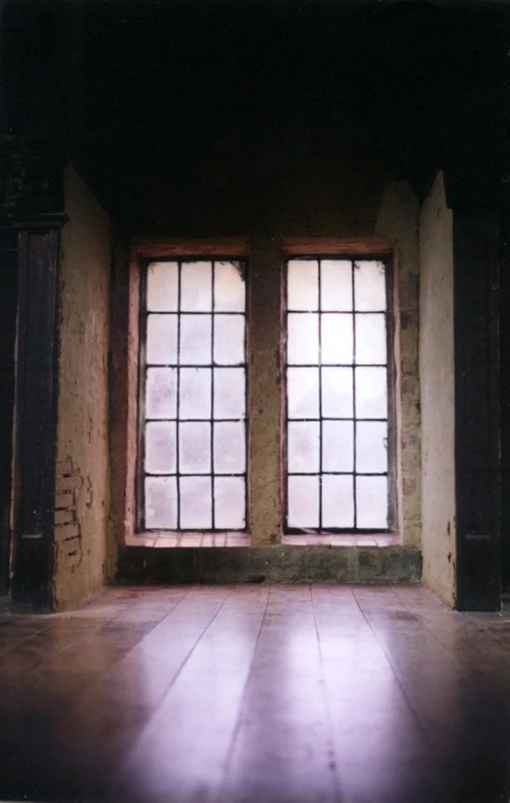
477 422
32 206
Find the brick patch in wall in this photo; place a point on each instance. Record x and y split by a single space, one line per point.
68 484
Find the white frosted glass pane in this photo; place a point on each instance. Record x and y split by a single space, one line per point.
229 339
162 286
369 286
195 348
229 287
229 503
195 503
371 446
303 502
195 393
229 447
303 339
160 503
196 287
371 339
371 392
336 339
195 448
229 393
303 446
160 447
337 501
336 285
303 392
161 393
162 339
303 284
337 393
372 502
337 446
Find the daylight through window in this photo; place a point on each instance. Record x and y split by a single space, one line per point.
194 393
337 395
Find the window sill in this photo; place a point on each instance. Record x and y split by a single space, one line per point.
358 540
164 540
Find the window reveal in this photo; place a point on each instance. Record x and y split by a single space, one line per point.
193 386
337 396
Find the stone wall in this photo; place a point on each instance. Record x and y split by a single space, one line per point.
437 393
82 483
349 199
398 219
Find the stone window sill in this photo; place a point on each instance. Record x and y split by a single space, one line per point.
166 540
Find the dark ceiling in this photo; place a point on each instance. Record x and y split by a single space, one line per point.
155 90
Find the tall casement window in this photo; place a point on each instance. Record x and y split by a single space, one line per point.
193 395
339 454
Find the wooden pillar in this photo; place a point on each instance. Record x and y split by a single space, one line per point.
32 204
477 423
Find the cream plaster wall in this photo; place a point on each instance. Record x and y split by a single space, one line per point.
437 394
82 482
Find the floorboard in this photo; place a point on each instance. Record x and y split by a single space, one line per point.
256 694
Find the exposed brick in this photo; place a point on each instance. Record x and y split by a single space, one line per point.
65 531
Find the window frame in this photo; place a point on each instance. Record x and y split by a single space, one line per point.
294 250
188 251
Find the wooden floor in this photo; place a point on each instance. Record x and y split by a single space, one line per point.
256 694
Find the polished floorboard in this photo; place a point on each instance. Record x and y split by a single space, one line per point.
256 694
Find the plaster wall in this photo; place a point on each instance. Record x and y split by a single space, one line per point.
437 394
82 481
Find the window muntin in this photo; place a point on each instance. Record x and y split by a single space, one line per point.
338 394
193 393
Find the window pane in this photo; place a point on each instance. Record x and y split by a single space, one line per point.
229 287
229 339
229 503
195 448
229 393
195 346
371 446
161 393
303 339
196 287
160 503
195 503
336 285
337 501
371 392
162 286
336 339
303 446
337 446
195 393
372 502
162 339
371 339
369 286
302 284
303 502
229 448
337 393
303 392
160 447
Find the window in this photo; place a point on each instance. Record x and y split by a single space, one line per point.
193 395
338 393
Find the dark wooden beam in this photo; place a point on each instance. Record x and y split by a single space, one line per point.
31 200
477 422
